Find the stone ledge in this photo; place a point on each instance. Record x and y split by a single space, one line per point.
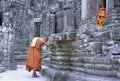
70 35
57 75
21 57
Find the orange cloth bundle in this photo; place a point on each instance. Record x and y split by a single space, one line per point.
101 17
34 41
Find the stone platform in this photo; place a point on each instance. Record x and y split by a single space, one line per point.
57 75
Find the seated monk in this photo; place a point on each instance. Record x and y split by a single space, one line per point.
101 16
33 61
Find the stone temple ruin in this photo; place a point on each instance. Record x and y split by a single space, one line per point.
79 51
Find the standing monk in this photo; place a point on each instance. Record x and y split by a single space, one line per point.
33 61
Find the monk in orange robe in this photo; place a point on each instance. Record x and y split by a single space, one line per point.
101 16
33 61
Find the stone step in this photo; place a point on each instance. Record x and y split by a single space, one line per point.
61 50
57 75
21 49
22 40
21 57
46 61
95 60
61 63
61 58
107 73
24 44
77 54
60 67
96 66
92 60
20 53
21 62
86 65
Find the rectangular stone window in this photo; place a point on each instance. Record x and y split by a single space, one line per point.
1 14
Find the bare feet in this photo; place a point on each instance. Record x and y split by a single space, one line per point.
34 74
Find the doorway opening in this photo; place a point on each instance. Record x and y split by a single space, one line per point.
37 29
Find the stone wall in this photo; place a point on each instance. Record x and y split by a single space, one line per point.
21 24
83 51
7 38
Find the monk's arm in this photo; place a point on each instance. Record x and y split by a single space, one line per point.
46 44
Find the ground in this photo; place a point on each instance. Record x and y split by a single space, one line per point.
20 75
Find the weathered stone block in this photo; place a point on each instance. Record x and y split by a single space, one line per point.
95 47
116 48
103 36
116 34
13 66
71 36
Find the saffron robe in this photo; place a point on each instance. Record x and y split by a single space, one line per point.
33 61
101 17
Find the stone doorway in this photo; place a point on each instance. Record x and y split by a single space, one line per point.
37 29
0 18
102 3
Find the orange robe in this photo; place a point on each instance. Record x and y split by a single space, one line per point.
33 61
101 17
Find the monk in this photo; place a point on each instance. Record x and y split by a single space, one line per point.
101 16
33 61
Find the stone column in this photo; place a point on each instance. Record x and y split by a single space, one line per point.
51 23
44 24
84 9
77 15
1 50
9 59
109 6
113 15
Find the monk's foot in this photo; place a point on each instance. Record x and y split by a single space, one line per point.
34 75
